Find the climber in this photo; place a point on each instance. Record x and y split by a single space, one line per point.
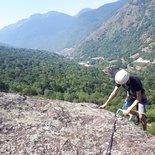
135 95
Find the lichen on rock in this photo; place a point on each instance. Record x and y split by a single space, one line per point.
36 126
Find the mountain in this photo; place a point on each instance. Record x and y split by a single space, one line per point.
3 44
83 11
88 22
55 31
128 34
37 126
38 31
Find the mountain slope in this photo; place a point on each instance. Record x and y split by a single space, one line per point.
83 11
38 31
55 31
128 32
89 21
37 72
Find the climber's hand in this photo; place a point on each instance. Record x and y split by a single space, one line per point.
126 112
102 106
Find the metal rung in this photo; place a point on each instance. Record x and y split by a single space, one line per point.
130 115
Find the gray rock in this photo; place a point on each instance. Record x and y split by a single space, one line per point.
33 126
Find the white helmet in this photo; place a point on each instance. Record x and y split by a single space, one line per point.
122 77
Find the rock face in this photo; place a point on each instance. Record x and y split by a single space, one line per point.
32 126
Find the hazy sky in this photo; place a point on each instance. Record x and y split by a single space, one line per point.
12 11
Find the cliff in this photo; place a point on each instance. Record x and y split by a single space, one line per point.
35 126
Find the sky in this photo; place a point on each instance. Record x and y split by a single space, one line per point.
11 11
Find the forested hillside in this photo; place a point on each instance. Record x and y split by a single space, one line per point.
130 31
40 73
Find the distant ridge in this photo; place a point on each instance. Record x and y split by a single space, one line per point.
55 31
83 11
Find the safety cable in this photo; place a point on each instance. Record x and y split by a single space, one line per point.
108 152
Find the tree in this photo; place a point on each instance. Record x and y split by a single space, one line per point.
4 87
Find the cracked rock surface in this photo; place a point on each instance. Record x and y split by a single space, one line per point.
33 126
